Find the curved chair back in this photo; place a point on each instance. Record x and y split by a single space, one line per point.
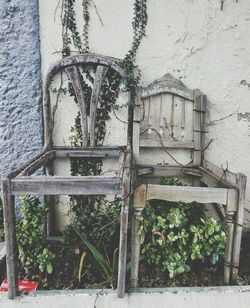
90 75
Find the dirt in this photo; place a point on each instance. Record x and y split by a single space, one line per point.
65 274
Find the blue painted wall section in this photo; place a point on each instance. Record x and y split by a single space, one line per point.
20 83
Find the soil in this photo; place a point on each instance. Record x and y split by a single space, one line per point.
65 273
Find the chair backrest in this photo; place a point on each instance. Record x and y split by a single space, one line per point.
88 74
169 115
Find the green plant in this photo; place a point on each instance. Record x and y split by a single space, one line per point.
108 268
98 230
1 222
45 261
35 258
172 238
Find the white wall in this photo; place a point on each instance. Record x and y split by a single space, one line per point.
194 41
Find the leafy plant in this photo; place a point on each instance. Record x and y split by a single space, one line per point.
108 269
172 238
98 230
35 258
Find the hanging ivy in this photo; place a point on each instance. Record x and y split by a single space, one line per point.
111 87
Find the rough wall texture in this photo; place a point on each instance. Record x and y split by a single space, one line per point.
194 41
20 82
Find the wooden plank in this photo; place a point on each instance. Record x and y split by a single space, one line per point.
97 148
88 58
88 153
212 180
197 128
36 164
50 203
10 238
231 208
74 77
172 118
169 85
232 200
140 196
135 247
136 128
183 120
226 175
159 171
74 185
229 246
241 182
100 74
156 143
126 179
203 123
187 194
22 167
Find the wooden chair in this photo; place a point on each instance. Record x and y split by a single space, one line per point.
20 182
171 118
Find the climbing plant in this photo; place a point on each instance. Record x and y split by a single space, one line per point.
112 85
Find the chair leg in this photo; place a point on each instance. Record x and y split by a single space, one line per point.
135 247
241 182
123 249
10 238
229 246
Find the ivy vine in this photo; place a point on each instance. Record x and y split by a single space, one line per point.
71 37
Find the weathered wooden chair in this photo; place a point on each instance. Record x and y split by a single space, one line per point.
171 118
20 182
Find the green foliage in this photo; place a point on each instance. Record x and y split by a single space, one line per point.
98 230
139 24
172 237
108 269
1 222
35 258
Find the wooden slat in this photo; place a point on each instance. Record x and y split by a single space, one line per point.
226 175
212 180
10 237
140 196
66 186
187 194
172 118
161 115
22 167
202 115
241 182
74 77
135 246
41 161
153 143
136 128
159 171
167 87
88 153
99 77
126 179
197 128
183 121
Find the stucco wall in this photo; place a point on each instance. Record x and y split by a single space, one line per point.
216 297
194 41
20 83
